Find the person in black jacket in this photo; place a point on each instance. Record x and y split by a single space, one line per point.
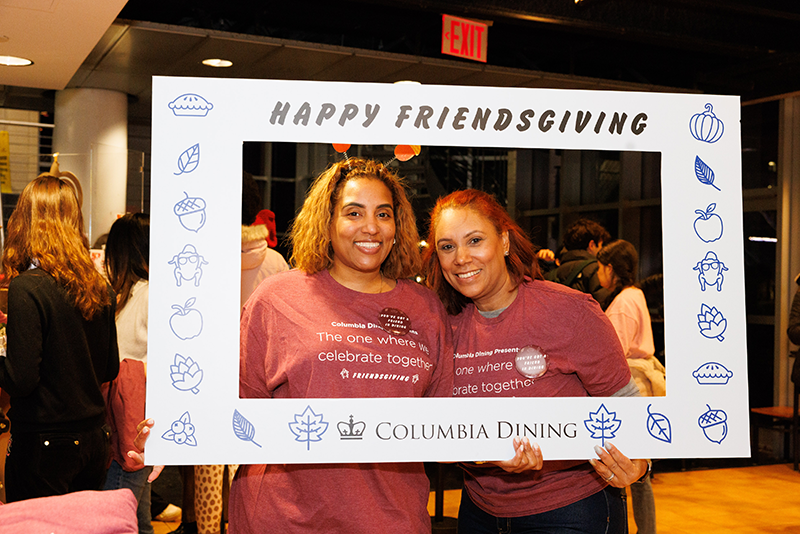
577 266
62 345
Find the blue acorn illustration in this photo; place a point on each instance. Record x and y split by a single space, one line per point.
186 375
714 424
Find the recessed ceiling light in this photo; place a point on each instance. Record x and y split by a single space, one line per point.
217 62
13 61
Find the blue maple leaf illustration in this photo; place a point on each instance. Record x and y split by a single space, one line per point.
602 424
308 427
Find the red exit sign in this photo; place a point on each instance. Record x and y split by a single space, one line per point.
464 38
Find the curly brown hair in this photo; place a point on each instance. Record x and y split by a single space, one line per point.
46 229
310 234
521 261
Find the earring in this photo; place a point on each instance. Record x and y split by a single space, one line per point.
506 254
394 241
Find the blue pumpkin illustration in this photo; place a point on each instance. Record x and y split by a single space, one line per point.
706 126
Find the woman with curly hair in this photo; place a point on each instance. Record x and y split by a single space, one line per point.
62 345
355 245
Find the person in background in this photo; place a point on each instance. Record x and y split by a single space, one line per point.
258 262
618 267
484 269
62 345
794 316
127 266
576 266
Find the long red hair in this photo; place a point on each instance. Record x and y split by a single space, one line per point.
521 261
46 229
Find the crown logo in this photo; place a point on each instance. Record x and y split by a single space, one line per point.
351 430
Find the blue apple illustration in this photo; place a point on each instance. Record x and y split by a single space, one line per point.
708 226
186 322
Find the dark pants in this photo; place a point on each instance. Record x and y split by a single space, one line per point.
602 513
55 463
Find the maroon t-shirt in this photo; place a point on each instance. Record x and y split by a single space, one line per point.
294 344
584 358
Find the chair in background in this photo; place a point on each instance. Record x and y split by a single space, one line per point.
783 418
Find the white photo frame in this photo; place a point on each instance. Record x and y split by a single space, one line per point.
199 125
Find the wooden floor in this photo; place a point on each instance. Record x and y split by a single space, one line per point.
746 500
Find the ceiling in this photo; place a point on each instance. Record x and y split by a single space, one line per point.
56 34
729 47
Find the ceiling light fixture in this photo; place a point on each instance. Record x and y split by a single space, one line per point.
13 61
217 62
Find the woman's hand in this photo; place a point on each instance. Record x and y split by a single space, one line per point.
616 468
527 457
137 456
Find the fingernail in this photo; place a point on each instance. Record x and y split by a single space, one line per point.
145 430
598 450
150 422
130 454
592 461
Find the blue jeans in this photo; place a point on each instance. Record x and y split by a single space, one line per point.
602 513
136 481
644 506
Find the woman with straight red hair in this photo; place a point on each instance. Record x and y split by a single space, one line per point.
62 345
485 271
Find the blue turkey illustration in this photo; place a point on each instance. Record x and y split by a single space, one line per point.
708 226
190 105
308 427
188 265
705 126
188 160
181 431
243 428
191 212
711 322
186 322
602 424
704 173
712 373
659 426
185 374
714 424
710 271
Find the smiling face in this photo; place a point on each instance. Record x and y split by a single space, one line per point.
362 229
472 256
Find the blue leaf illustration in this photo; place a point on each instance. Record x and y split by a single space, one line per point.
243 428
308 427
659 426
602 424
704 173
189 159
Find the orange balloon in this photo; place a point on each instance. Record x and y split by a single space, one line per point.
406 152
339 147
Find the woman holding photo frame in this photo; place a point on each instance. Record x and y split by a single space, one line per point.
485 271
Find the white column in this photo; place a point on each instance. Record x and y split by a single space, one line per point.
91 136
